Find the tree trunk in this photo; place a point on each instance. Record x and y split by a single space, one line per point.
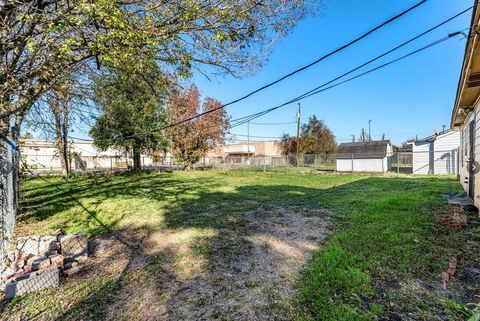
65 139
186 160
137 166
16 136
60 113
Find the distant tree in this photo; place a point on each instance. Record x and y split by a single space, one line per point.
26 136
133 109
288 144
315 138
58 111
59 104
406 145
193 139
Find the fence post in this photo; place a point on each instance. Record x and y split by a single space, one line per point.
398 162
352 162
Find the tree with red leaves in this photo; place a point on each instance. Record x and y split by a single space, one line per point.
193 139
315 138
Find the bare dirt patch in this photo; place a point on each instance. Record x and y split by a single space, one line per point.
246 274
246 270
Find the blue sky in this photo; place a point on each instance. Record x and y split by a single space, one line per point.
412 97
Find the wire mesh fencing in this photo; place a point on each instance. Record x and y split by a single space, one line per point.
8 194
319 162
444 162
50 164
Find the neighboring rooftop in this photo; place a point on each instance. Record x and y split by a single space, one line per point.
372 149
434 136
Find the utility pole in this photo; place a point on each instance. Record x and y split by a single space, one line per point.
248 138
298 130
369 134
298 126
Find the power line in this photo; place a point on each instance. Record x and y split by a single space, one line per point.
322 88
242 135
366 34
394 49
243 120
307 94
316 90
273 124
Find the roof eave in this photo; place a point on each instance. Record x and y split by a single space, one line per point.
471 51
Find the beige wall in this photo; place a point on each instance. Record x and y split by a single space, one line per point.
261 148
267 149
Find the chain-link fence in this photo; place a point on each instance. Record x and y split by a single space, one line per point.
422 163
320 162
50 164
8 193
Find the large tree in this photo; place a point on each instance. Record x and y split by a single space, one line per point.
193 139
315 138
42 40
133 109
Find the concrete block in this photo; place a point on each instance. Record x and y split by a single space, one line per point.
8 272
36 244
69 265
32 282
74 246
73 270
56 260
41 263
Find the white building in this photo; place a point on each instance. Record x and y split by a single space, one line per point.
436 154
42 156
374 156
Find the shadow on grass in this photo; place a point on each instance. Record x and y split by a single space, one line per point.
384 226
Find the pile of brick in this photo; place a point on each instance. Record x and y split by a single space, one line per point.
455 219
38 260
452 268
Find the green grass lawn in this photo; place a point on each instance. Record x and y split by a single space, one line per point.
382 260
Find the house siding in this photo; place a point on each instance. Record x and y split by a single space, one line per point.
446 154
421 158
464 175
438 156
